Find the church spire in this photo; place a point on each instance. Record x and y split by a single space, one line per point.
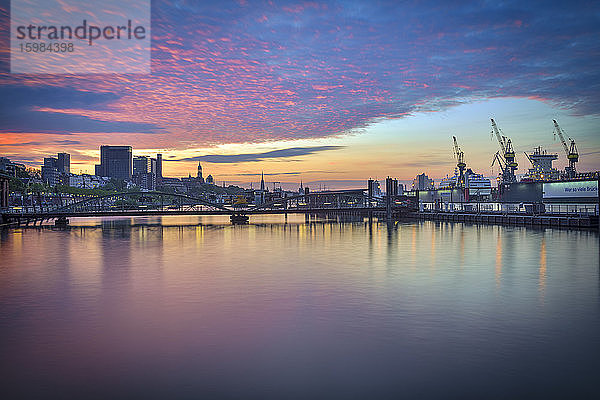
262 181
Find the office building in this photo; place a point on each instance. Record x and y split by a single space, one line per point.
374 189
142 165
115 162
63 163
144 174
159 168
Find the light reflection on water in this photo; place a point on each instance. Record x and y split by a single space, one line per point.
189 307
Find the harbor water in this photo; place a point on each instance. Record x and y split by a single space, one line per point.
186 307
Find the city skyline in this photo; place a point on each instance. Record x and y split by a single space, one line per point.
326 92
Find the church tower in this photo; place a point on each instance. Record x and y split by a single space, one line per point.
262 181
200 178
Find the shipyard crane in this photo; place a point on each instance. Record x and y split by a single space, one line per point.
508 155
460 163
571 151
500 161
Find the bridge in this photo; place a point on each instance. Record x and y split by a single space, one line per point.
354 202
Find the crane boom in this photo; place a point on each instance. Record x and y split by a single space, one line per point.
571 151
460 163
507 155
498 136
558 131
456 150
460 155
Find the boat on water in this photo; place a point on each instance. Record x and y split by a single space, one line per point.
476 184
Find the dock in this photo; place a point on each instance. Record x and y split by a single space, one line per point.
571 221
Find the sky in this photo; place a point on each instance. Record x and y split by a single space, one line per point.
330 93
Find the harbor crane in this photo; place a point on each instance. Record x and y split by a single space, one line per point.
460 163
571 151
509 166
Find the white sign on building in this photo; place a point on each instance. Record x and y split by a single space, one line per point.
577 189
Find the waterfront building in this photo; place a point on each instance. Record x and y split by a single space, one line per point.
374 188
400 189
393 187
422 182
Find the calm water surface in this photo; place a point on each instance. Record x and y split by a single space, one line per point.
194 307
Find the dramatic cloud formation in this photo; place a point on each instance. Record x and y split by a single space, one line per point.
259 71
20 112
283 153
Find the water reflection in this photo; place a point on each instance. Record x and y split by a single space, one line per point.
307 306
542 283
498 269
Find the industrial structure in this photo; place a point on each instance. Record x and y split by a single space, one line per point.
541 166
460 163
505 157
571 151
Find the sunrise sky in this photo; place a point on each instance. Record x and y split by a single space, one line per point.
324 92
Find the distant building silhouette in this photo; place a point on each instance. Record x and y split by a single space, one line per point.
64 163
56 169
199 176
159 168
144 172
422 182
9 167
115 162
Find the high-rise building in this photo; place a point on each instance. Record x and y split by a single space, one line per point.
391 187
373 188
115 162
159 168
200 178
64 163
142 172
98 170
142 165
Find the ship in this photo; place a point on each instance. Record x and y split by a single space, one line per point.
476 184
